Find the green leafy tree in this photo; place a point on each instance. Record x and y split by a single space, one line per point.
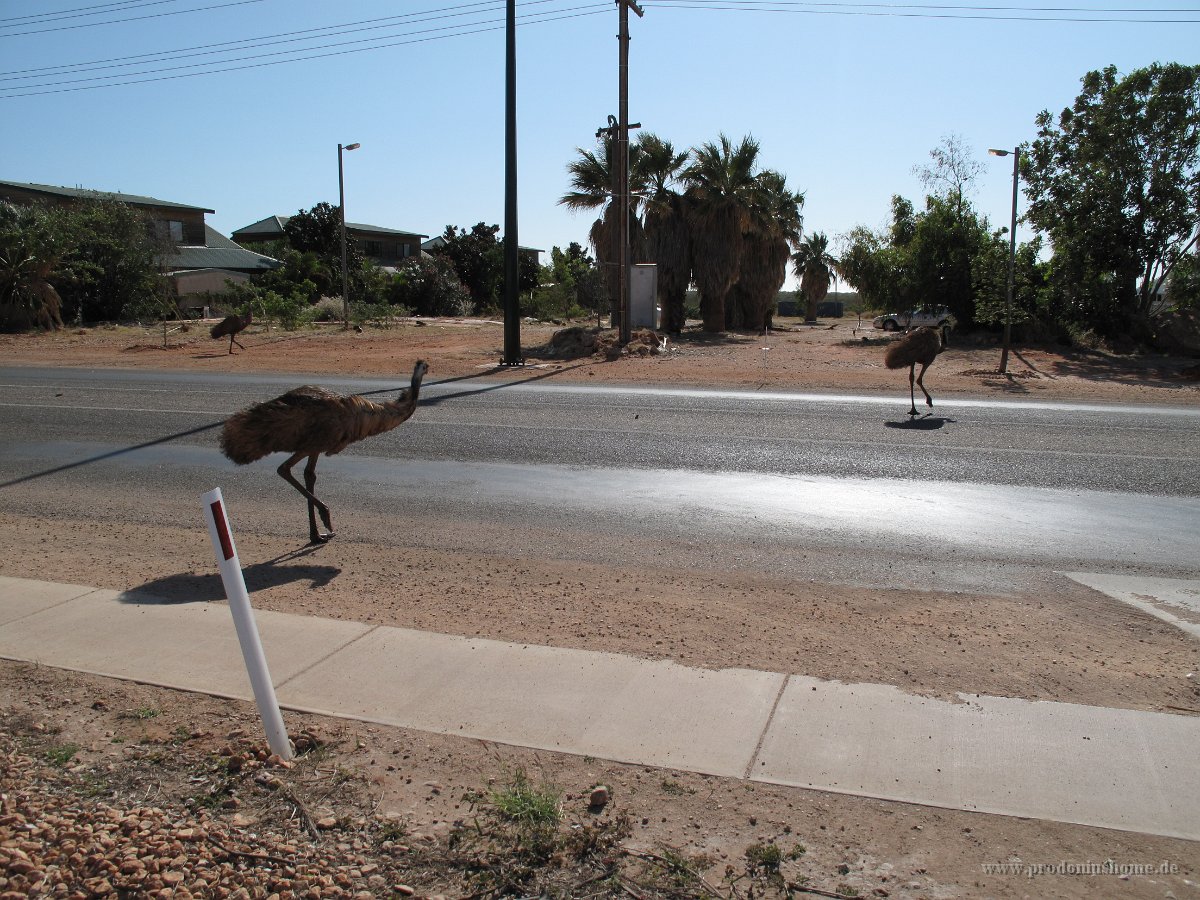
870 262
1114 182
429 287
112 269
319 231
1031 300
572 286
1184 287
478 258
952 174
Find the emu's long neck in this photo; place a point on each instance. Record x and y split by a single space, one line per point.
403 406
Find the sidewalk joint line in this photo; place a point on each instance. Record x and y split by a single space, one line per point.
331 653
766 726
37 612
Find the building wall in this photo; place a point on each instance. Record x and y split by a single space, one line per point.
216 281
188 229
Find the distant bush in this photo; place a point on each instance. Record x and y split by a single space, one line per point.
428 287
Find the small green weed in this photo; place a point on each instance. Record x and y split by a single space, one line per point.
525 803
674 787
61 754
766 857
143 713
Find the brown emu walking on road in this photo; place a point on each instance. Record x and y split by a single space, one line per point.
918 346
309 421
231 325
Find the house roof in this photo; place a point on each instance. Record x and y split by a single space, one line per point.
220 253
86 194
434 243
274 225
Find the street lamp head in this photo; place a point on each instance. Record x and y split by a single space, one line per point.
999 152
352 146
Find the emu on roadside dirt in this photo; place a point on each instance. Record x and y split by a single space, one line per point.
232 326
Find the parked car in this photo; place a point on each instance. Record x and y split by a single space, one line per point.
915 318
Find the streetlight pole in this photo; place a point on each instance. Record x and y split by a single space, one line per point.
342 216
1012 256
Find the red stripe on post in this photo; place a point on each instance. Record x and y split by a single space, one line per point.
218 515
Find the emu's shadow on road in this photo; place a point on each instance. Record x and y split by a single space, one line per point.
921 423
192 588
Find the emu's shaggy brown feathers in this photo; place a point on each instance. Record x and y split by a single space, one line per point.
918 346
308 420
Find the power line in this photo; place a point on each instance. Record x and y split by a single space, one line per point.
263 40
388 23
98 10
278 53
929 11
177 12
484 27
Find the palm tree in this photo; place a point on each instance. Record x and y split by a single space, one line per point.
665 224
814 266
720 190
775 228
30 252
592 188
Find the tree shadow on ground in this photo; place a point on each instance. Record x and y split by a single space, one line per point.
1156 371
193 588
869 341
433 401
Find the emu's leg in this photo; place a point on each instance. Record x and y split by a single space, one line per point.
310 481
912 394
928 399
285 472
231 344
234 341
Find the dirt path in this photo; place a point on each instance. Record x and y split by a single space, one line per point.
835 356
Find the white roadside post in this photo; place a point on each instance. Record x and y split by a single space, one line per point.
243 620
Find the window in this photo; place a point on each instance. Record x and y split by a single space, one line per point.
170 230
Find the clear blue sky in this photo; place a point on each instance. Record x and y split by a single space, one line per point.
845 98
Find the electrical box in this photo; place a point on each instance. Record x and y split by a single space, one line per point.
643 296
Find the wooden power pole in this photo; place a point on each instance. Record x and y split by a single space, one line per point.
622 164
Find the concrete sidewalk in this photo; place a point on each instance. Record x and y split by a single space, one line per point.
1124 769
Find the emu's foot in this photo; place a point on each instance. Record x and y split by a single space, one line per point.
317 538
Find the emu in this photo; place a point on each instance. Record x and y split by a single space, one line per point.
921 345
232 326
308 421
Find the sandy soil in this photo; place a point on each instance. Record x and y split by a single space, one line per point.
1073 645
836 355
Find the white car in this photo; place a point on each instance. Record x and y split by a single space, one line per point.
915 318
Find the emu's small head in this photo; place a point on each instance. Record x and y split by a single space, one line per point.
419 370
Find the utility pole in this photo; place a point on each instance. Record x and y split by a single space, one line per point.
622 163
512 308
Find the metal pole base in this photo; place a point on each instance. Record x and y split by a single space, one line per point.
511 365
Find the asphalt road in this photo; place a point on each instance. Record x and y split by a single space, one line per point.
841 488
